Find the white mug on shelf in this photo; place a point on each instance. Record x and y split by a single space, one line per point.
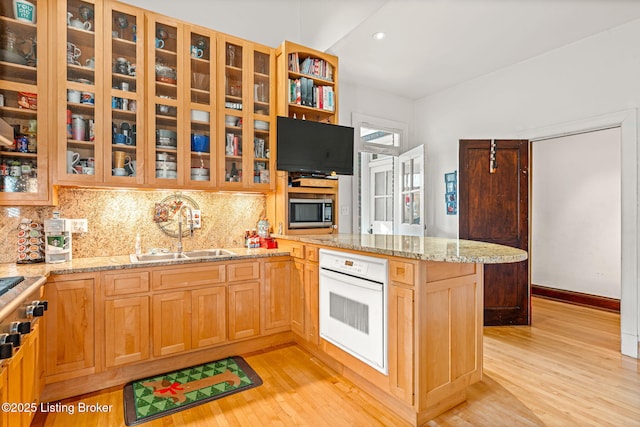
72 159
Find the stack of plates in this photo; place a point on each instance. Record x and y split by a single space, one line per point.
200 174
261 125
166 138
166 174
166 169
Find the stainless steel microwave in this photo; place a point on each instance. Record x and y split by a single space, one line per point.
310 213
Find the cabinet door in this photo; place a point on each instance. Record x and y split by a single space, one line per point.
263 81
233 58
167 146
70 334
126 326
209 317
276 297
15 392
24 80
311 284
81 100
201 70
171 323
124 96
30 375
297 298
401 345
4 397
244 310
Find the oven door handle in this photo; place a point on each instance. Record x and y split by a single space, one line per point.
350 280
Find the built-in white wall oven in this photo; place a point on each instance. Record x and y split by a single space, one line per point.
310 212
353 305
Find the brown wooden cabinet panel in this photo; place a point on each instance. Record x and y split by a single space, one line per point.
297 298
15 392
4 397
402 272
312 253
244 310
401 348
171 323
126 330
311 298
124 283
209 316
243 271
276 296
188 277
70 338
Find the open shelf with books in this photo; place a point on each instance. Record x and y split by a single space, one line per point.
307 83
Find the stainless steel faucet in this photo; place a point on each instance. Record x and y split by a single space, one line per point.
179 214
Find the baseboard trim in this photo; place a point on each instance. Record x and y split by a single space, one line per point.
579 298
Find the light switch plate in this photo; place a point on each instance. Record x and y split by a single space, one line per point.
80 225
197 218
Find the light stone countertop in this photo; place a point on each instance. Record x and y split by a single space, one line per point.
418 247
412 247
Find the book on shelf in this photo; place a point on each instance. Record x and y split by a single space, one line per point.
304 92
315 67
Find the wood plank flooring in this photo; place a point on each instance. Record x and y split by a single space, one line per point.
564 370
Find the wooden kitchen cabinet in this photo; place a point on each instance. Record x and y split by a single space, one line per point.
209 316
246 88
244 310
71 332
400 342
24 73
126 330
276 296
171 321
4 394
298 312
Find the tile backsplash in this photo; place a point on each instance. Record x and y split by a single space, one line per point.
115 216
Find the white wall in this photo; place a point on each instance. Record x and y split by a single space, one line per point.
591 78
576 213
371 102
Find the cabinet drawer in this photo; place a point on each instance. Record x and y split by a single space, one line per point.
312 253
244 271
295 249
402 272
191 276
121 283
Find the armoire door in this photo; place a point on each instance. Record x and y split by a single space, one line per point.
494 207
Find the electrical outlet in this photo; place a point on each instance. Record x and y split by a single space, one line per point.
197 218
79 225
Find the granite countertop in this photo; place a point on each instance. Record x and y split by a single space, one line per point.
418 247
412 247
84 265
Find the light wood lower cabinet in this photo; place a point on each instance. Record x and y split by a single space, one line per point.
244 310
400 339
126 330
208 316
4 395
276 296
71 333
298 312
171 321
311 305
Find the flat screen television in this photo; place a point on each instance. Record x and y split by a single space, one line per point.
315 148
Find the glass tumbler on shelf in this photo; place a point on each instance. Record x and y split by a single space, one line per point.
231 56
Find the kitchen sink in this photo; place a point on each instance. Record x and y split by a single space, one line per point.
206 253
162 256
169 256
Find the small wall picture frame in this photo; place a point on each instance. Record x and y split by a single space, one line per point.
451 192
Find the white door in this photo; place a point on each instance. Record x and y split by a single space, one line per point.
381 200
409 203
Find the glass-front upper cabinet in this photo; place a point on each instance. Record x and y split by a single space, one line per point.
124 85
263 87
79 151
166 138
246 84
24 132
201 69
233 111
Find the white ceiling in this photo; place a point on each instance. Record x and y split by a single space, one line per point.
435 44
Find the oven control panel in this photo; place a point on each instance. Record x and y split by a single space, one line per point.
353 264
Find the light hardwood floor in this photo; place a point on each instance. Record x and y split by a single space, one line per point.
565 370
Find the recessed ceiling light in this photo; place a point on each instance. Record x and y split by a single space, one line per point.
379 35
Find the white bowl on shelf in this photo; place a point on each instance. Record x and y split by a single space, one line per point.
231 121
261 125
200 177
200 116
200 171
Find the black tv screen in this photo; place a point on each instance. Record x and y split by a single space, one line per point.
315 148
